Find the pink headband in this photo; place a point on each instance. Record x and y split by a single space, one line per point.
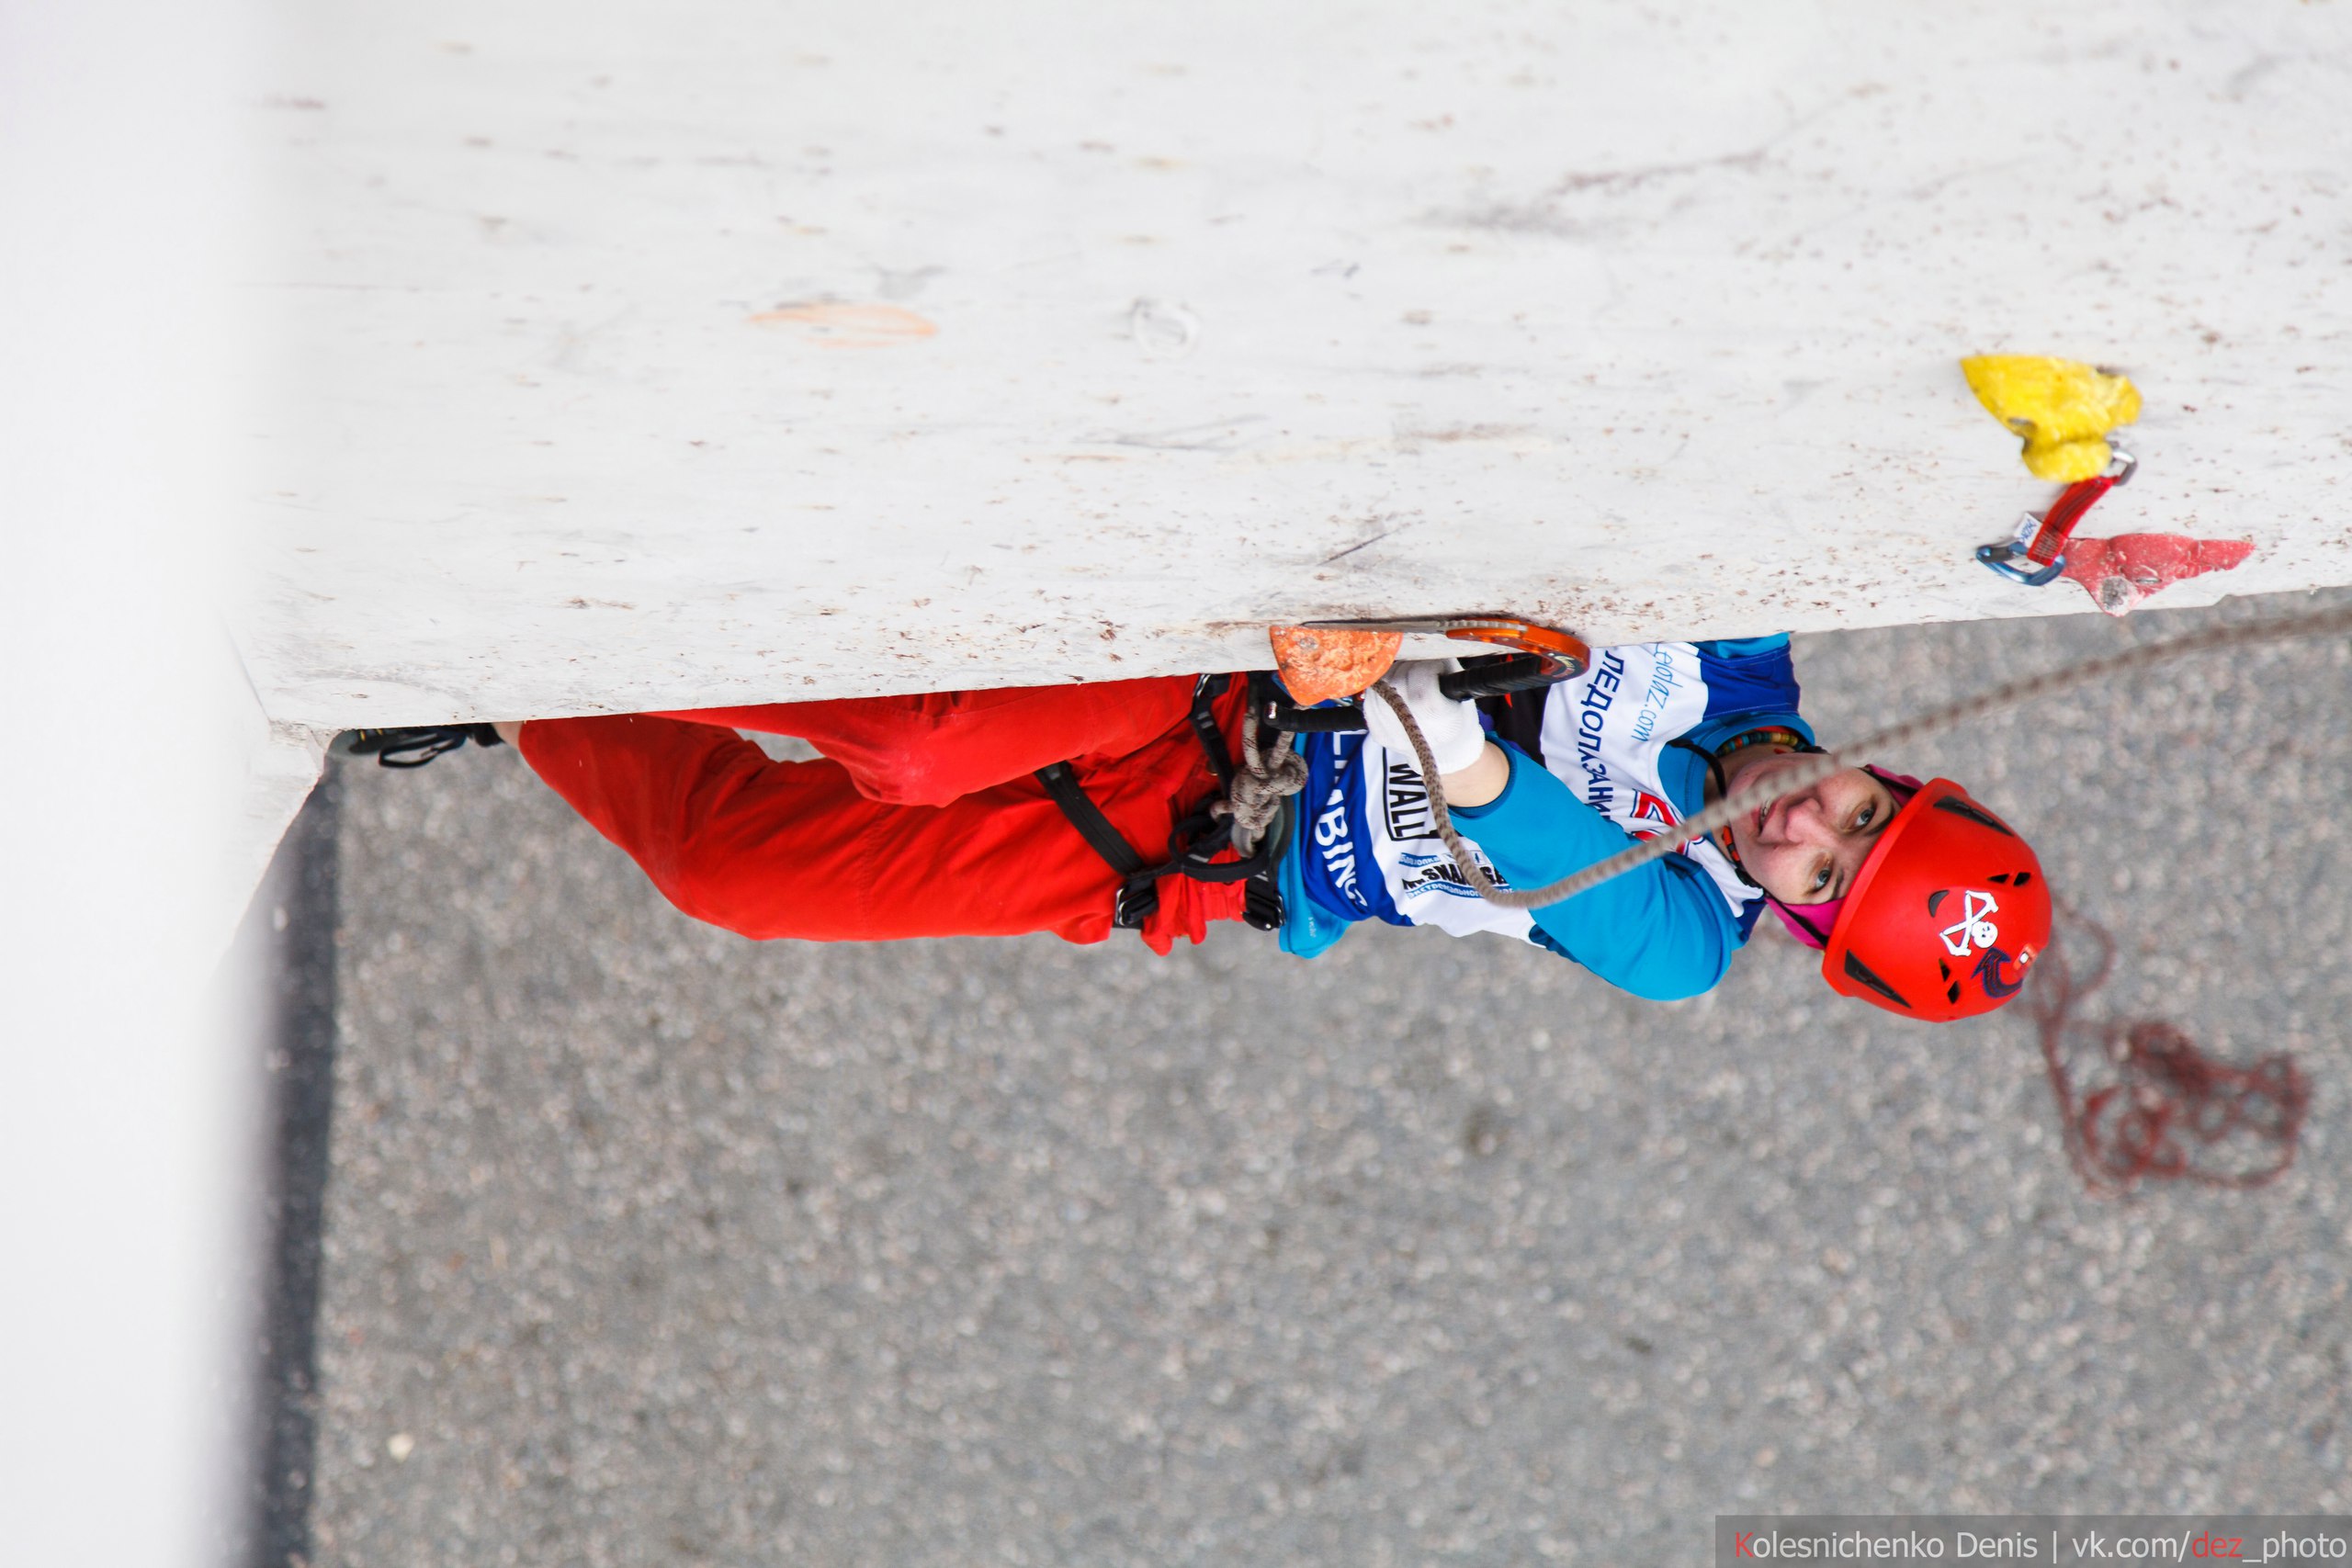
1812 923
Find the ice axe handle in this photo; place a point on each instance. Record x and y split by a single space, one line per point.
1276 711
1509 672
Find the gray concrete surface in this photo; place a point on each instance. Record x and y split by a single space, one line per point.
648 1245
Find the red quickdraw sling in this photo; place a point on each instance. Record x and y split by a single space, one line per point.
2037 554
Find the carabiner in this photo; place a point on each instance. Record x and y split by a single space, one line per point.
2001 557
2041 538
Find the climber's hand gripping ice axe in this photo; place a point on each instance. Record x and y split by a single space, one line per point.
1545 655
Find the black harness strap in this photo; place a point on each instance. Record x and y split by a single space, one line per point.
1192 847
1061 782
1212 739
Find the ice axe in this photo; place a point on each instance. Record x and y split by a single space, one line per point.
1323 659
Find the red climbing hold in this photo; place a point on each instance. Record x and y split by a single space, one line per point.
2120 572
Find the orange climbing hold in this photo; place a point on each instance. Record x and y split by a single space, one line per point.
1317 663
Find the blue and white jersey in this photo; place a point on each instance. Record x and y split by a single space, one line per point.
1367 849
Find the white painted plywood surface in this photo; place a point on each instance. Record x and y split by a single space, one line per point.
650 355
130 1076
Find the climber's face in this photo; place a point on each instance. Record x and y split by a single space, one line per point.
1807 848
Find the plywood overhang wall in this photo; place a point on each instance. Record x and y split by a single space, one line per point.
647 356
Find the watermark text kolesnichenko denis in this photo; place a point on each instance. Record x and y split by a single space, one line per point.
2060 1540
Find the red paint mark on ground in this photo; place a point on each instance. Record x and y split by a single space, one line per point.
2120 572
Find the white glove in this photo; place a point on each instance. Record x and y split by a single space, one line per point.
1450 727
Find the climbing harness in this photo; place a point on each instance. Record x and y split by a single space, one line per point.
2036 554
2010 693
1249 820
1251 817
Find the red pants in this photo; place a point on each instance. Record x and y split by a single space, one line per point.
922 819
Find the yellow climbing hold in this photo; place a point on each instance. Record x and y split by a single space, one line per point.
2061 407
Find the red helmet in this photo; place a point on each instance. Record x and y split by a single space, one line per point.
1945 916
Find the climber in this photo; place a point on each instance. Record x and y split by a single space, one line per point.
945 815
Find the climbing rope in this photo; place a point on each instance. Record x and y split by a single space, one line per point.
1813 769
1259 788
2156 1107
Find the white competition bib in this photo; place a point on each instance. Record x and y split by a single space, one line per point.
1423 883
1605 733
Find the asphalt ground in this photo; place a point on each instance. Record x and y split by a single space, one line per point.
645 1244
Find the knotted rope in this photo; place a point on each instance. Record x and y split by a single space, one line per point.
1813 769
1260 787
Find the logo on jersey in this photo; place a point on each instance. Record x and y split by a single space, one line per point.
1648 807
1405 803
1438 873
1974 931
1336 850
